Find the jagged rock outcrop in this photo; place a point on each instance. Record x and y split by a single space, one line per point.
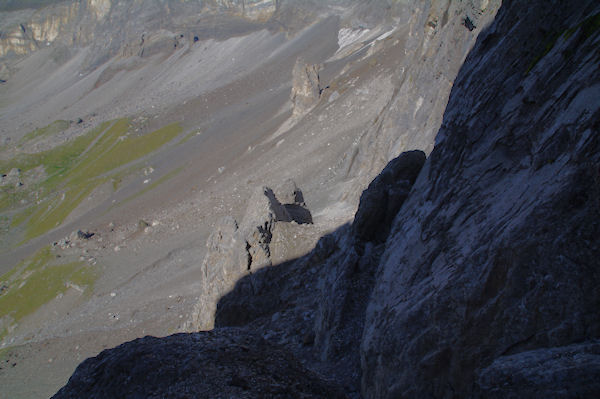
236 250
306 87
493 261
221 364
347 276
382 200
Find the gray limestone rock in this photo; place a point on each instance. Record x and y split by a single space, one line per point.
382 200
225 363
235 251
306 86
494 252
571 371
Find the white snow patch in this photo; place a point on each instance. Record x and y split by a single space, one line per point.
386 35
348 36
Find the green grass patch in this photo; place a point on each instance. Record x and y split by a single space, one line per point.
21 217
76 168
37 280
50 130
50 214
57 160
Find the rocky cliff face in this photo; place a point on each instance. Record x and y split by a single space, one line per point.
492 261
81 23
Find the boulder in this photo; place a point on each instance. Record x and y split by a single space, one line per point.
225 363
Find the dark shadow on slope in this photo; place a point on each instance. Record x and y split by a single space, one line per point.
315 305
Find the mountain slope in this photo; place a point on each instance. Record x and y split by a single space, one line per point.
484 283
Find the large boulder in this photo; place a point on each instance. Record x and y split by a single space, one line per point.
217 364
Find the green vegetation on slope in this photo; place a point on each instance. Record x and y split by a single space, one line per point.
36 281
74 170
50 130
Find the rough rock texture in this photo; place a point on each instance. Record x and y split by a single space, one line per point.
382 200
236 250
348 271
432 45
306 87
567 372
315 304
495 255
136 27
218 364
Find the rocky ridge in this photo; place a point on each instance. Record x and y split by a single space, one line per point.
478 280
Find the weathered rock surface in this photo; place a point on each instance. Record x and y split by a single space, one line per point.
382 200
135 27
235 251
572 371
224 363
494 253
306 87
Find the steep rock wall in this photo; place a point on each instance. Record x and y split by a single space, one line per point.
493 258
433 41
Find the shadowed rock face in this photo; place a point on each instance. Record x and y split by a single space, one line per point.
226 364
492 260
382 200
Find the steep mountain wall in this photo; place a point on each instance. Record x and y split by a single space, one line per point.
492 266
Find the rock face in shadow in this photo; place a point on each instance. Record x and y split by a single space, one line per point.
492 261
223 364
382 200
564 372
